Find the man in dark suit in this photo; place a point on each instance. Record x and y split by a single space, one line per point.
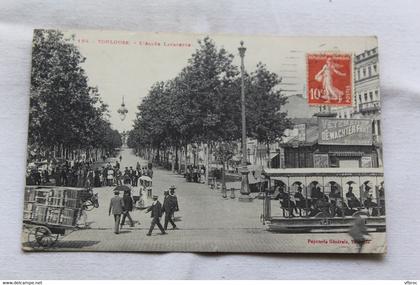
156 213
128 207
174 197
169 209
117 207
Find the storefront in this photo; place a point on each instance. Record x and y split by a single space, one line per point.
331 142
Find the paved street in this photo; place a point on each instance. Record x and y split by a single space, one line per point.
207 222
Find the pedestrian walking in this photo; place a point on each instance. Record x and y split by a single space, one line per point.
156 214
175 198
359 233
136 178
116 206
128 207
169 205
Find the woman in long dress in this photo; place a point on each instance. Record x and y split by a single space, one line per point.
325 75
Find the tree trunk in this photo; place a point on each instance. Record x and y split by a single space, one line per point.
176 159
207 163
173 159
223 181
157 156
186 154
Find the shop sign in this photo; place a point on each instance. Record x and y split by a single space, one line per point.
345 131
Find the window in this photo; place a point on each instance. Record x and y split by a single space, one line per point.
371 96
364 71
375 68
370 71
366 96
376 94
360 98
358 74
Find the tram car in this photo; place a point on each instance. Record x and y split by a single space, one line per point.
323 199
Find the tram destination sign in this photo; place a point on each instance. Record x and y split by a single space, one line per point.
345 131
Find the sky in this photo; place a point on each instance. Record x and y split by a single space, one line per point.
128 64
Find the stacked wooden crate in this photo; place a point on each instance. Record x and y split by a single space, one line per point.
54 206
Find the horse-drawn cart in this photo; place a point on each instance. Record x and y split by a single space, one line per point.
51 212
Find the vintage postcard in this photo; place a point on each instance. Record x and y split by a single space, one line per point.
203 143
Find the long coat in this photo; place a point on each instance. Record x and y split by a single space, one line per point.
169 204
156 210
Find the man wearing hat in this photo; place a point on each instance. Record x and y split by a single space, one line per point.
174 197
117 207
156 213
169 209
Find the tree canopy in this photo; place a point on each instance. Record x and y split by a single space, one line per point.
64 109
202 104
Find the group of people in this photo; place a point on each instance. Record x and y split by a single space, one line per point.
120 208
84 173
330 205
195 174
113 175
68 173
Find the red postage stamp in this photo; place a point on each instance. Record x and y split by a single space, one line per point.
329 79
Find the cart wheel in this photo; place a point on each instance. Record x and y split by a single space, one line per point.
42 236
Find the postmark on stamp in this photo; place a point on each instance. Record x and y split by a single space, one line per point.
329 79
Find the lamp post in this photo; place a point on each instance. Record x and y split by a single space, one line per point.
245 191
122 111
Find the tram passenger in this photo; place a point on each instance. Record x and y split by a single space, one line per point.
337 208
335 192
352 200
316 194
381 196
286 203
301 202
323 205
368 201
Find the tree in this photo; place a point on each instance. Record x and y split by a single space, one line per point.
265 120
64 110
201 105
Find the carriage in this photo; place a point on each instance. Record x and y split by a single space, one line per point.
323 199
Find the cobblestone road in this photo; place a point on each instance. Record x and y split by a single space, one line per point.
207 222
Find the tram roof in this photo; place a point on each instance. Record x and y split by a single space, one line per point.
278 172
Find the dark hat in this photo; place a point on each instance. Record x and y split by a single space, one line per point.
172 187
155 196
166 192
116 192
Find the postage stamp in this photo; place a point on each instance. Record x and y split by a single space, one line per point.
329 79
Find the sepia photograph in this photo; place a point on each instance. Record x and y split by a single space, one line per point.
166 142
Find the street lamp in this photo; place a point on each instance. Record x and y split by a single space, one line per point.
245 191
122 111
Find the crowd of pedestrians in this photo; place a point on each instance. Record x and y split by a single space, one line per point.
86 173
113 175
